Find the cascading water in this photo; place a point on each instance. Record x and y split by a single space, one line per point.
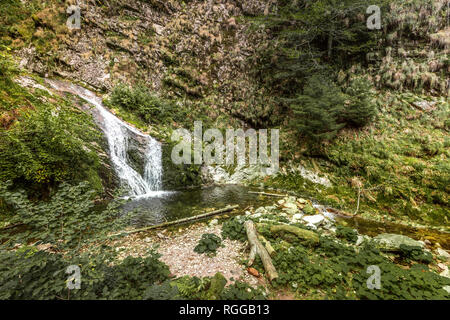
118 134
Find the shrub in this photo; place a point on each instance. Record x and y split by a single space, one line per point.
30 274
359 110
208 243
65 221
140 101
346 233
234 229
43 143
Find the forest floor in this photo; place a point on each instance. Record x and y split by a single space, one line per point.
176 246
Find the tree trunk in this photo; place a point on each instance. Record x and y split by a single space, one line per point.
258 249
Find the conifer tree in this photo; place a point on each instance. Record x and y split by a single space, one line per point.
317 110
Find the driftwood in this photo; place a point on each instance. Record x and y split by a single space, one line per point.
258 249
267 245
180 221
268 194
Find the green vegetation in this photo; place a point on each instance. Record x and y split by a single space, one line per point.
30 274
45 139
207 288
208 244
335 270
234 229
346 233
147 106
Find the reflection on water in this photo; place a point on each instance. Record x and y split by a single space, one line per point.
161 206
169 206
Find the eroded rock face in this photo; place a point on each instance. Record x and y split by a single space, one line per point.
241 174
197 49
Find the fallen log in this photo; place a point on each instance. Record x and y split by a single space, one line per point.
268 194
179 221
299 232
258 249
267 245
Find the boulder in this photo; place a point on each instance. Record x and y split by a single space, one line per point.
392 242
290 208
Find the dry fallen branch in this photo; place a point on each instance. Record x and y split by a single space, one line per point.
268 194
180 221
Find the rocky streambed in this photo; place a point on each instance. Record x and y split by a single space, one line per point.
338 240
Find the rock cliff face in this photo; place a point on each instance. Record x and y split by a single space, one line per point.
195 50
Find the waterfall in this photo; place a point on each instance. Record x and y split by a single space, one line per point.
118 134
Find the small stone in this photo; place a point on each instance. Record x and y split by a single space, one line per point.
158 29
427 242
445 273
442 266
446 288
359 240
213 222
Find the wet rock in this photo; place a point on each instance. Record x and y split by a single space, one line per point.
297 217
392 242
315 220
329 215
290 208
443 253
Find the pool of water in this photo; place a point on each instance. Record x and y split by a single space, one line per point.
168 206
374 228
164 206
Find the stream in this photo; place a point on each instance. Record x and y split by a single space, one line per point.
150 205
